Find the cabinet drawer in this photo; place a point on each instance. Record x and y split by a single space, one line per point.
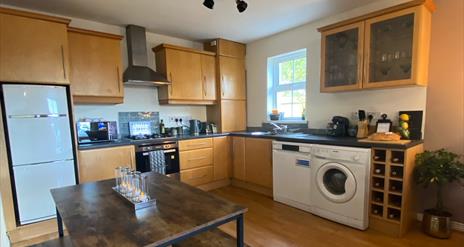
197 176
195 144
196 158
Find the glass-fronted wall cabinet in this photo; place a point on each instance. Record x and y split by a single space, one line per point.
343 58
387 50
398 49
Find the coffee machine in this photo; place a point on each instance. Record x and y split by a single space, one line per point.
338 127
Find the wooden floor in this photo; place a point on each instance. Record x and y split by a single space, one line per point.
272 224
268 223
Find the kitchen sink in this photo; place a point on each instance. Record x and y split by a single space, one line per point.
260 133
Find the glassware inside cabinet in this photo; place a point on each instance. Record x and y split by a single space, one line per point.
391 48
341 58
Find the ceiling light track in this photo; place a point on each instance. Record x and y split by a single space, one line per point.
241 5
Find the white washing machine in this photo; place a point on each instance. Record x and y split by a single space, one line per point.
340 184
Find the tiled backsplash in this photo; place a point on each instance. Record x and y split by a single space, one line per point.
126 117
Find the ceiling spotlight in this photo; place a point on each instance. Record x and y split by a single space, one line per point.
241 5
209 4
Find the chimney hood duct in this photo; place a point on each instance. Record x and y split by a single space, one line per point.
138 73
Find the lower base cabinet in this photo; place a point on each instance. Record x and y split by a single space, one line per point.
99 164
204 161
252 161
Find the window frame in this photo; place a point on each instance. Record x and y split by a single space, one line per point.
273 82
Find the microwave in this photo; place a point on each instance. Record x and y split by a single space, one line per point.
102 131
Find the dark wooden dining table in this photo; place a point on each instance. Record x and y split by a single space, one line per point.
94 215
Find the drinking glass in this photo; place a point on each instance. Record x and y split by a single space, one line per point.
143 197
118 177
135 186
124 181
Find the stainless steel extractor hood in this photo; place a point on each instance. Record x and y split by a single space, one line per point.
138 73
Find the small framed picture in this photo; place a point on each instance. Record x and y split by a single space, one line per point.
384 127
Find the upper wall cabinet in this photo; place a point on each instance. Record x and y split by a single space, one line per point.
33 48
96 67
389 48
191 73
342 58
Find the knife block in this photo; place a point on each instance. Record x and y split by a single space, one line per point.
363 129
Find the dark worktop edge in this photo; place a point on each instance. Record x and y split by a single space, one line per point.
322 140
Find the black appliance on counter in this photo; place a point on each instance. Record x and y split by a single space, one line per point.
195 127
160 155
338 127
101 131
208 128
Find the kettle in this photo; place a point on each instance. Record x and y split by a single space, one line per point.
195 126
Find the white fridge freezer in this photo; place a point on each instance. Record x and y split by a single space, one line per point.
40 146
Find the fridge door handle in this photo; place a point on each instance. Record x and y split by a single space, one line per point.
38 116
46 162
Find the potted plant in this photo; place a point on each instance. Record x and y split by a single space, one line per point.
437 168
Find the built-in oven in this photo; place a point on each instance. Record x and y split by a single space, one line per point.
161 157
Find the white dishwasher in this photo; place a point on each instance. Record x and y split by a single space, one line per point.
292 174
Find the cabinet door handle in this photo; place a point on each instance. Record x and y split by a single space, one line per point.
62 62
204 85
170 86
198 158
118 78
222 85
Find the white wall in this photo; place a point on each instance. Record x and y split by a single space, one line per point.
137 98
321 107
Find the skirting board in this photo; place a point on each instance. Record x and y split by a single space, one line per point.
458 226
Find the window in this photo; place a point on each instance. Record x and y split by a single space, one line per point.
287 85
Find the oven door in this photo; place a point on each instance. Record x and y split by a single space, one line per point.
171 158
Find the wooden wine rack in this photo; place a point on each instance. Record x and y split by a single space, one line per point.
392 207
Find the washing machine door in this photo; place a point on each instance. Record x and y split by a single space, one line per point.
336 182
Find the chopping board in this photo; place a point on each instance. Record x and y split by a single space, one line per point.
400 142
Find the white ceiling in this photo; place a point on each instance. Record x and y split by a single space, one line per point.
189 19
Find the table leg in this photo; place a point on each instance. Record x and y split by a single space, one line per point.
240 234
60 224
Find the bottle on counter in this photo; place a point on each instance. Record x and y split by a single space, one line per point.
162 129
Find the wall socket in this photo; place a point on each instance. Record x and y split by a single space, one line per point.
170 121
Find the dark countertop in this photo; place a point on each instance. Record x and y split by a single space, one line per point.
126 142
290 137
95 215
328 140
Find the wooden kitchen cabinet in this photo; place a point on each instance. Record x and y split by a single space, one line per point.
258 161
196 161
196 158
189 72
238 158
233 115
222 158
342 58
230 112
208 71
226 48
96 67
99 164
232 78
391 206
34 48
387 48
398 53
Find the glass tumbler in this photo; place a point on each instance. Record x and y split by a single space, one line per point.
124 179
135 186
118 177
143 197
